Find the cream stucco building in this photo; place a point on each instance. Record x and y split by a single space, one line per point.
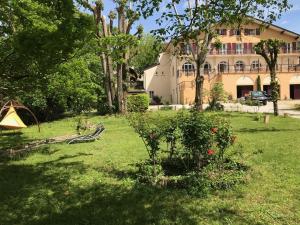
235 65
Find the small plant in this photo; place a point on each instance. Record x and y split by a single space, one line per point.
216 95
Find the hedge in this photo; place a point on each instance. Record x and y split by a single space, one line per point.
138 103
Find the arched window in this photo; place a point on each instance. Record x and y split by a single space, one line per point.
222 67
207 68
255 65
188 67
239 66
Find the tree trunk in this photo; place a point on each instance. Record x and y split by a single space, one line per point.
120 88
199 88
107 82
274 91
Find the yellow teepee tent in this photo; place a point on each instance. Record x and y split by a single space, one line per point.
12 120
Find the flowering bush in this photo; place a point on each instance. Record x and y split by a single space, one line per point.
195 142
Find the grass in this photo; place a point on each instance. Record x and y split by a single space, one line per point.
91 184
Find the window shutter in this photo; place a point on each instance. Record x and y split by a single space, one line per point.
245 48
250 48
258 31
229 48
231 32
233 48
294 46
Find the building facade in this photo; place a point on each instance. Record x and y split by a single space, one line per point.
235 64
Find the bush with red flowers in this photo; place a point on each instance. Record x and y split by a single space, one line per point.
193 142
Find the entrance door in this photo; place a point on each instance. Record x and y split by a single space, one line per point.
267 89
243 91
295 91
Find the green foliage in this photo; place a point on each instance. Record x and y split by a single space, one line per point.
149 132
198 133
197 137
45 61
251 102
149 173
216 95
146 53
138 103
224 138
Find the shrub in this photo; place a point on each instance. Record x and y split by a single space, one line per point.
148 173
251 102
138 103
196 135
196 144
216 95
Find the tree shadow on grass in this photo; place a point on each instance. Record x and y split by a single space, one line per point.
264 129
13 139
63 193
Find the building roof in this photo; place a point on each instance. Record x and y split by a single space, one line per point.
276 27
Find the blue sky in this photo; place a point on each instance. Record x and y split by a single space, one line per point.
289 20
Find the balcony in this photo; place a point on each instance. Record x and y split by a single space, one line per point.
215 52
246 69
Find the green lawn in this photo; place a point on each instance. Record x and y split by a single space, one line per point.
91 184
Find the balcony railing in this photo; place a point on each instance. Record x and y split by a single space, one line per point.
281 68
241 52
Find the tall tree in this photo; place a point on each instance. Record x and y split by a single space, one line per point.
194 23
115 43
269 50
146 53
35 37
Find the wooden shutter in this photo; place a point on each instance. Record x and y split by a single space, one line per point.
233 48
245 48
246 31
250 48
258 31
229 49
231 32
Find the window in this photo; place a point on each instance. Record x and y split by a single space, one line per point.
255 65
298 46
235 32
288 48
239 66
251 32
207 68
187 67
222 32
239 48
151 93
187 49
222 67
223 49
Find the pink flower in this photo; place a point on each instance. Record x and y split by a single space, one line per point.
210 152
